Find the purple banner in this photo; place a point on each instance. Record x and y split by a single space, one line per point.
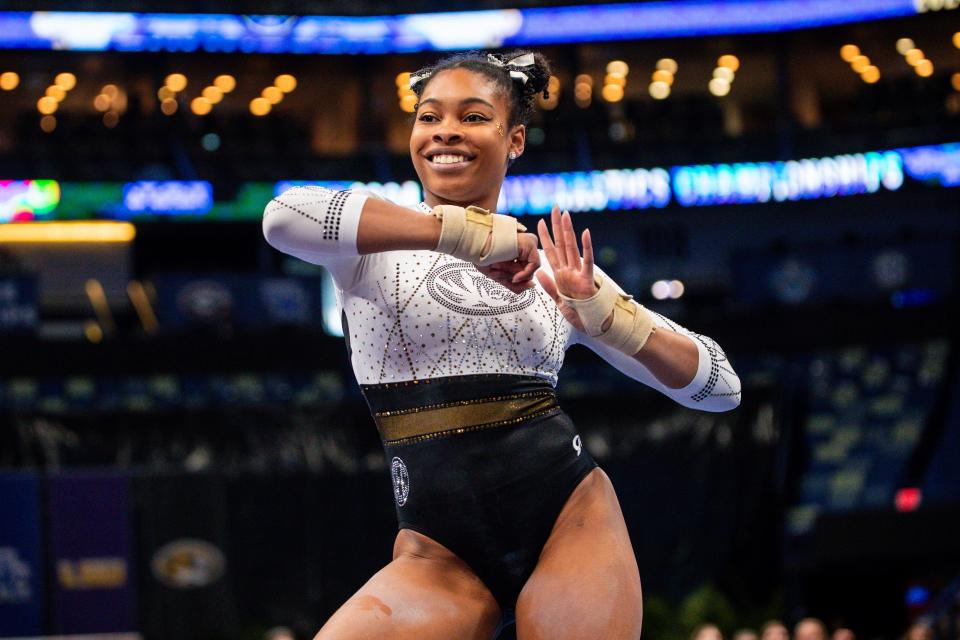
90 551
21 568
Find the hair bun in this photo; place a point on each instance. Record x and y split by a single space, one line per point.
538 74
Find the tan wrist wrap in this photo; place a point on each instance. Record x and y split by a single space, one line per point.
631 326
464 232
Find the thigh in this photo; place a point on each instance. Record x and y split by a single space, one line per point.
586 583
426 593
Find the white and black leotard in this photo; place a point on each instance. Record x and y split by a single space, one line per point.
459 373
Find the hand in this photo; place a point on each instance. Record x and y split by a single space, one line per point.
516 275
572 275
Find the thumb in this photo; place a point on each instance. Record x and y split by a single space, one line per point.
548 285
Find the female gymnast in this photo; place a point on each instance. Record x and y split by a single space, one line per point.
456 332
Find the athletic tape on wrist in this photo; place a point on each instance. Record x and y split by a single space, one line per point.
464 232
631 325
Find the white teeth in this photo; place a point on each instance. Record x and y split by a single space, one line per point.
448 159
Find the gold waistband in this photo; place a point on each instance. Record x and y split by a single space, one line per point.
423 423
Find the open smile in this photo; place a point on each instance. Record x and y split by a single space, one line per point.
448 160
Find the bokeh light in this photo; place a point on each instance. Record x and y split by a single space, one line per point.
870 75
904 45
200 106
273 95
719 87
285 82
729 61
661 75
47 105
723 73
660 289
615 78
177 82
913 56
56 92
667 64
210 142
65 81
860 63
849 51
659 90
408 103
612 93
226 83
9 80
619 67
260 106
213 94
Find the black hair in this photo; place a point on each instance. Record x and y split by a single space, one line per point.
520 95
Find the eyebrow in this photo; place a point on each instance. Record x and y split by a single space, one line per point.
463 102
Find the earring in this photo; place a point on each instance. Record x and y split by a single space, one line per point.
513 155
500 129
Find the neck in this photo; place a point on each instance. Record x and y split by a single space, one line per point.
488 202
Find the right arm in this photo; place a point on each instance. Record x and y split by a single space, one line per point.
316 224
322 226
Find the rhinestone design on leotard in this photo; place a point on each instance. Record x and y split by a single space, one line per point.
315 199
722 380
419 314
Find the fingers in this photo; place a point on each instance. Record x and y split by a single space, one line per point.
556 227
570 241
548 247
525 274
529 259
548 285
587 268
504 277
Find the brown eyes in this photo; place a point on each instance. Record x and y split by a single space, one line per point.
473 117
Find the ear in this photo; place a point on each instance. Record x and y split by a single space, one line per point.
518 139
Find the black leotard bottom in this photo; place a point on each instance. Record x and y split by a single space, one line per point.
488 491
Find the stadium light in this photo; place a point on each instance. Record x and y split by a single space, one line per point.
65 232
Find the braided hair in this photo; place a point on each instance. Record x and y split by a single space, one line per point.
520 95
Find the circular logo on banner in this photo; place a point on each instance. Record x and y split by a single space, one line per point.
188 563
401 481
460 287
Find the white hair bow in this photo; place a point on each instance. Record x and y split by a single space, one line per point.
514 65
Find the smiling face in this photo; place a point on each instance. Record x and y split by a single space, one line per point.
457 150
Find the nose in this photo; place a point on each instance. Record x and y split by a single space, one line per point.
448 132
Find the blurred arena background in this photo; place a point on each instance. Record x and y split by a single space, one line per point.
183 450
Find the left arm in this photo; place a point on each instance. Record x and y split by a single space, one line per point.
689 368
